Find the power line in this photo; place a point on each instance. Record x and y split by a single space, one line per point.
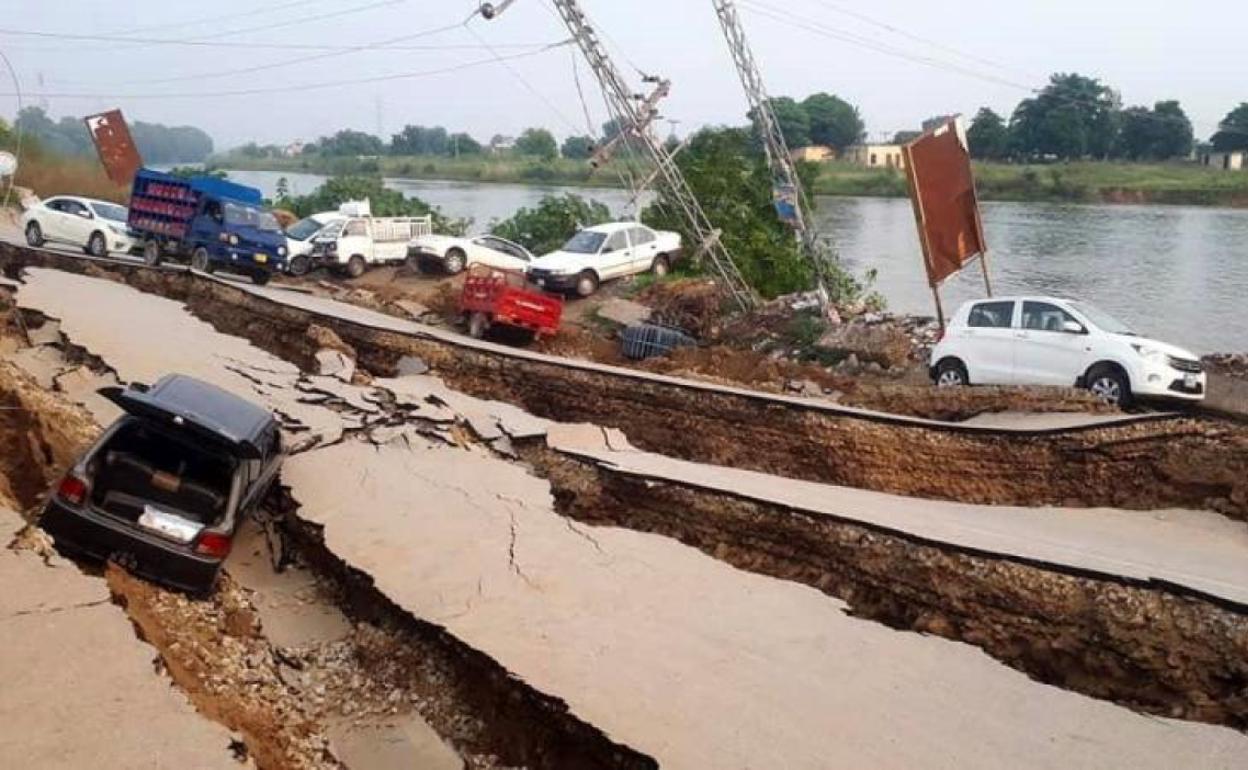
196 43
298 87
554 108
909 35
314 57
227 17
199 39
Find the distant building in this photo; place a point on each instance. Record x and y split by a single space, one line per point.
502 144
815 153
876 155
1236 160
293 149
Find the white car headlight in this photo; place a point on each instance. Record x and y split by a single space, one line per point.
1152 354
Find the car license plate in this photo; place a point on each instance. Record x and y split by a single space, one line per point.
262 258
1190 380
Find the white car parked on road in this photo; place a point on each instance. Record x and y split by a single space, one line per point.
97 227
603 252
454 255
1051 341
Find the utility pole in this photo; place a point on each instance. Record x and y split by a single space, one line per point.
786 186
635 113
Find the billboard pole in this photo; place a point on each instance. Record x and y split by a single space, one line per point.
913 182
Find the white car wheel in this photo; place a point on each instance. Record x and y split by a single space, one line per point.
34 235
950 373
455 261
1110 387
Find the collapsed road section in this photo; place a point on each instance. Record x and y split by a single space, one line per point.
674 653
1140 461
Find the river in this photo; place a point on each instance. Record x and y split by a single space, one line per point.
1174 272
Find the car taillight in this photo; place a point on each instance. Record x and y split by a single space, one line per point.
72 489
213 544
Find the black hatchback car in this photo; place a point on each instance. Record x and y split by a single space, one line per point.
164 489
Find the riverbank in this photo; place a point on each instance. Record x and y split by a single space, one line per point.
1082 182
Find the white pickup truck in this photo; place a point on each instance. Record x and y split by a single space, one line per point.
356 242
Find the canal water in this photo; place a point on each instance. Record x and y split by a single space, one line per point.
1177 273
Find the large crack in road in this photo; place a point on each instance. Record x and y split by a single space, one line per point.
1144 646
1133 462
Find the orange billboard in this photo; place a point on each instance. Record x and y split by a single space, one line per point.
946 208
115 146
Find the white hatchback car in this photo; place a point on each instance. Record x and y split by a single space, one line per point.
97 227
602 252
1051 341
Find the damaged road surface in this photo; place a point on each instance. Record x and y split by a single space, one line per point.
76 689
670 653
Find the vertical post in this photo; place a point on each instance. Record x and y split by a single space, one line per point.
983 263
940 311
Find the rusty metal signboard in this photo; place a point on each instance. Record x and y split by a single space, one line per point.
946 208
114 144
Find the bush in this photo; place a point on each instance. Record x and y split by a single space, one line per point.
547 226
730 177
385 202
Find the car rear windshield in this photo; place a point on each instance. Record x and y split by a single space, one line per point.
144 466
585 242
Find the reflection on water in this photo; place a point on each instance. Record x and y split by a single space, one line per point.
1178 273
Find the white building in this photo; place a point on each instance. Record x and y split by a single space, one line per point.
1235 160
876 155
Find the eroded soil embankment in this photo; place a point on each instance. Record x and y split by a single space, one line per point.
284 701
527 728
1145 648
1170 462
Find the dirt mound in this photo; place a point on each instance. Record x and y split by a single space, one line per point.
773 374
41 435
695 305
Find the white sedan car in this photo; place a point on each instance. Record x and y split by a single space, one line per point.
454 255
603 252
1051 341
97 227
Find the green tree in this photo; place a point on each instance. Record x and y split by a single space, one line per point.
906 137
537 143
1073 117
833 121
793 119
730 178
577 147
545 227
282 191
462 144
384 201
1161 133
988 136
1232 132
350 143
419 140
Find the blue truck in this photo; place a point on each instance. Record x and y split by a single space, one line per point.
210 222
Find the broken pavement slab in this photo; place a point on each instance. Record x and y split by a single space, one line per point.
1198 550
79 687
624 312
685 658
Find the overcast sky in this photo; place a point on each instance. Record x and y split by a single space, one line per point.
985 54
